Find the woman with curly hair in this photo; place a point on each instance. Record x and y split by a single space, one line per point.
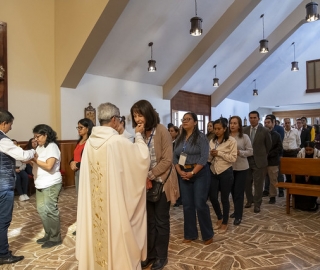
48 182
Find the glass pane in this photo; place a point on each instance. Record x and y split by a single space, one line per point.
310 75
317 74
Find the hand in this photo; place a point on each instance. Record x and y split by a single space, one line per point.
73 165
186 175
149 183
238 152
214 152
17 170
139 128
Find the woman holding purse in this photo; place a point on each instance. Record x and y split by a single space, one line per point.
159 142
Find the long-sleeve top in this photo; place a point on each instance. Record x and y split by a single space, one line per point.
291 139
280 130
227 154
9 148
245 150
276 149
302 153
196 154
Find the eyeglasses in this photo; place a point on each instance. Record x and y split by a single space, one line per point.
36 137
186 119
79 128
116 116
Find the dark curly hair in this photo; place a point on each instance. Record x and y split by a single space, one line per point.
86 122
44 129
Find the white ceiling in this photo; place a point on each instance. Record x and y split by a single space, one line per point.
166 23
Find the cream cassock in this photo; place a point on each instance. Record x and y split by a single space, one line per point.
111 215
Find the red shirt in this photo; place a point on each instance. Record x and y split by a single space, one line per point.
77 152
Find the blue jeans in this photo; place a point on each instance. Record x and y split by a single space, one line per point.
6 208
195 195
47 206
222 182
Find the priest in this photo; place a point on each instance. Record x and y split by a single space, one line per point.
111 215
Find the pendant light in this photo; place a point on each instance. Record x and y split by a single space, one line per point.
312 12
263 42
215 79
255 90
294 64
196 24
152 63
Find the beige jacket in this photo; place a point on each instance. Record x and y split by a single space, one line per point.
164 156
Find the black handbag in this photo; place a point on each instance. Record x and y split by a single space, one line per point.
154 193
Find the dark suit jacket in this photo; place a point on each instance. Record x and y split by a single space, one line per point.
305 136
261 145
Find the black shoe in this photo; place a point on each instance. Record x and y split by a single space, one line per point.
42 240
248 205
281 194
11 259
256 209
265 193
147 263
159 264
237 222
50 244
74 233
272 200
232 215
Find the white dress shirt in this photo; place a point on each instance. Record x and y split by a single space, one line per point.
291 140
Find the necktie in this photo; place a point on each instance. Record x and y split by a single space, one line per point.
253 133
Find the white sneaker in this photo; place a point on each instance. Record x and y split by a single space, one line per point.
26 197
21 198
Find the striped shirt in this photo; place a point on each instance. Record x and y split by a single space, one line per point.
196 154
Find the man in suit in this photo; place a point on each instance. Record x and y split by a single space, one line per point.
304 132
261 144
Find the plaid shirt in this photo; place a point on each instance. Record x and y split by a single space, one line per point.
153 160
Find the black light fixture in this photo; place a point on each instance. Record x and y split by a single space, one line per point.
263 42
312 12
215 79
152 63
294 64
196 24
255 90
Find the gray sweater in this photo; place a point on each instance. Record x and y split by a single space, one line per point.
245 150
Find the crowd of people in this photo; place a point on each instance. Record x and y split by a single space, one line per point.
126 183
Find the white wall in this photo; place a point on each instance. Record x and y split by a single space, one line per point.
97 90
230 107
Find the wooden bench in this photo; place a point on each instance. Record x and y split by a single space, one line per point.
299 166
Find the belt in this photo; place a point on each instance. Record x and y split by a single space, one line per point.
290 150
188 166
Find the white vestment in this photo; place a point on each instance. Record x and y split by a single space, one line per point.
111 215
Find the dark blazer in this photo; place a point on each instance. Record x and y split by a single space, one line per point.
276 149
261 145
305 136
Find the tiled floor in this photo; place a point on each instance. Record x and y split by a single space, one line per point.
270 240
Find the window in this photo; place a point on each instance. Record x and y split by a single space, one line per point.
313 76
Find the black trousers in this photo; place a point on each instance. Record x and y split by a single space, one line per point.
237 192
158 228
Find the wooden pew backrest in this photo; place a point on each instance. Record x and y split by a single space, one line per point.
300 166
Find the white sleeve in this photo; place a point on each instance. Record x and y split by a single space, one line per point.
9 148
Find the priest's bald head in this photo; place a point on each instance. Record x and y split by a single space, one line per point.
109 115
